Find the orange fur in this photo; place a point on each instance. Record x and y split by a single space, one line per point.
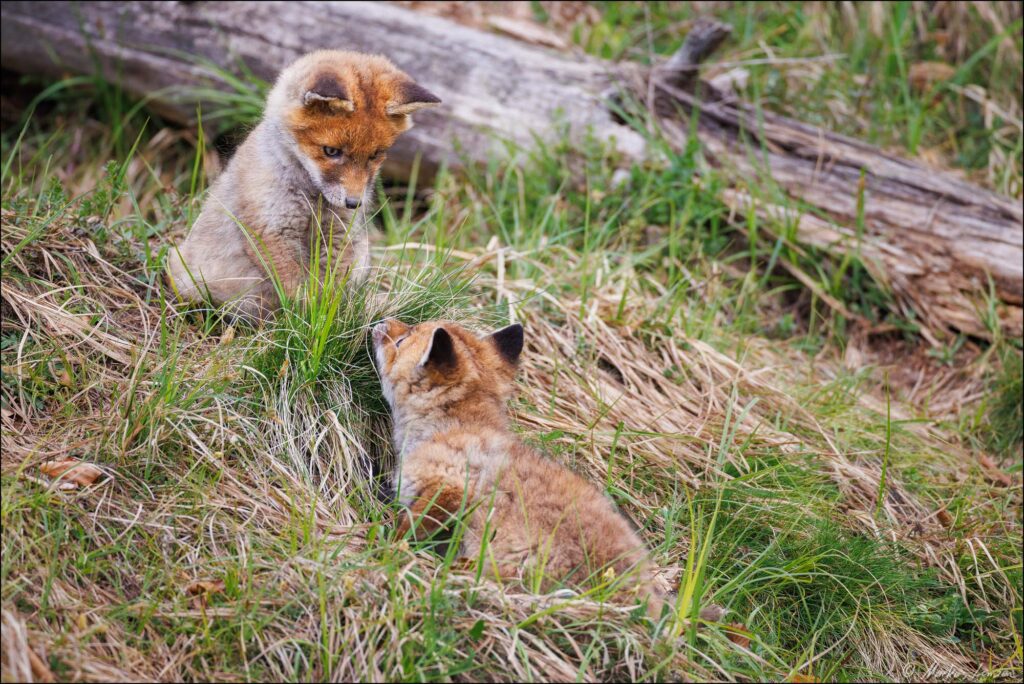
529 517
364 133
283 192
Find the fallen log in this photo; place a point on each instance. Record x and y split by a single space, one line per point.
493 88
942 245
934 239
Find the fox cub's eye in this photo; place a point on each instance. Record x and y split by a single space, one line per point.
332 151
399 341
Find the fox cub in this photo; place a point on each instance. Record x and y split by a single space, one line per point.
307 168
447 389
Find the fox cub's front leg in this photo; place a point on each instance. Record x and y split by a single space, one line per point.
430 505
283 260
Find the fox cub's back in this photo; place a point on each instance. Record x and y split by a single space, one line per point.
457 457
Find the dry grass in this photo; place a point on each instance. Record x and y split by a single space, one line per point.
831 487
215 480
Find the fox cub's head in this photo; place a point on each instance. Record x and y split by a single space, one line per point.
439 362
342 111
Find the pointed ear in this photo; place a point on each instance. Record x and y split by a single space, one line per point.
411 97
509 341
328 91
440 353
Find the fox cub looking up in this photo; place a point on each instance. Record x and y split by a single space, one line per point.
447 389
307 167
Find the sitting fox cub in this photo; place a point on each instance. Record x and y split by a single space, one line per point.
306 168
447 389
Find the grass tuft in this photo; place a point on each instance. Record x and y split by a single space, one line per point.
817 483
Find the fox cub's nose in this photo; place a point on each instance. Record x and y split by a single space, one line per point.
380 331
351 202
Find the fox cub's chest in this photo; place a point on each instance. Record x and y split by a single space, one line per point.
299 218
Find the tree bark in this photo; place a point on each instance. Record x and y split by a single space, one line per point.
934 239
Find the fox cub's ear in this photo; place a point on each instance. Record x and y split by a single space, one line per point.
328 91
411 97
440 353
509 341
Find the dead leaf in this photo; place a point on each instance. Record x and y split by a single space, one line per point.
992 472
945 519
924 75
738 634
199 587
71 472
202 590
40 670
798 678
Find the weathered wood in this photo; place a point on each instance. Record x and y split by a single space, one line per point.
681 69
933 238
492 87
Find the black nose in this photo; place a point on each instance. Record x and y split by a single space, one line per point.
351 202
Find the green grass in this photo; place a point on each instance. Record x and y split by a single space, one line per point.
864 91
668 359
1005 430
